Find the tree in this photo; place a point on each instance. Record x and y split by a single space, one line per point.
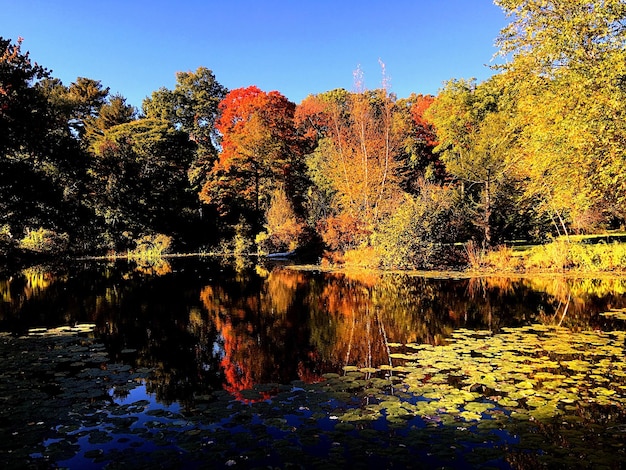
567 63
476 136
417 159
192 107
546 36
355 162
283 229
86 96
414 236
39 161
111 113
139 179
20 103
259 152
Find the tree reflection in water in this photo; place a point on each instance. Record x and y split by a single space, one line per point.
204 326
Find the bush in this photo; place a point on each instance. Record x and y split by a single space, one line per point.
283 230
561 255
343 232
151 247
502 258
44 241
362 257
553 256
414 236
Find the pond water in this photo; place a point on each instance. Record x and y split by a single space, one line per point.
203 363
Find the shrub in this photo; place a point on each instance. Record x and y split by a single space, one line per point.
343 232
561 255
150 247
553 256
415 235
44 241
502 259
363 257
283 230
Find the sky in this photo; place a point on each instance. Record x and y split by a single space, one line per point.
297 47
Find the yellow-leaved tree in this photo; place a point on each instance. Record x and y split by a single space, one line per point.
566 60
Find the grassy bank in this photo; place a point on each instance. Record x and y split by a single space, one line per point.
584 254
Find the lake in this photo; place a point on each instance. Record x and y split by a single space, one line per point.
206 363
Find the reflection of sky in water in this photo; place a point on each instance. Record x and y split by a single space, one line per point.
105 439
140 393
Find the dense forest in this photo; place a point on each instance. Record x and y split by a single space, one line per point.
536 151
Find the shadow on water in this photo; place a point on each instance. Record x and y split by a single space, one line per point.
196 359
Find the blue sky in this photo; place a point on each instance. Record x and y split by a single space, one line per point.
297 47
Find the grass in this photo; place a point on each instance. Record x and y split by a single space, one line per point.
585 253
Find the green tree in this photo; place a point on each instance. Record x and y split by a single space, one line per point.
86 96
20 103
40 163
476 134
139 179
192 107
113 112
414 236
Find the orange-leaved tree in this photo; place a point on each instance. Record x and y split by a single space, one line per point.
417 159
354 164
259 151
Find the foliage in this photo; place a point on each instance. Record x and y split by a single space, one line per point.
111 113
192 107
139 173
40 162
557 256
343 232
417 159
46 241
150 247
414 235
259 152
577 256
282 228
498 259
567 66
20 102
536 151
475 140
354 163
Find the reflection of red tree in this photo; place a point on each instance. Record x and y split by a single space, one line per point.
238 377
250 328
240 360
306 374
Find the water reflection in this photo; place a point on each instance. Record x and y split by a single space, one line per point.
204 326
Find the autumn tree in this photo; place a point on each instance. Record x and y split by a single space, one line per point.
417 160
259 153
476 136
283 228
566 60
354 164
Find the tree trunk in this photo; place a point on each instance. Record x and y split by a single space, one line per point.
487 241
